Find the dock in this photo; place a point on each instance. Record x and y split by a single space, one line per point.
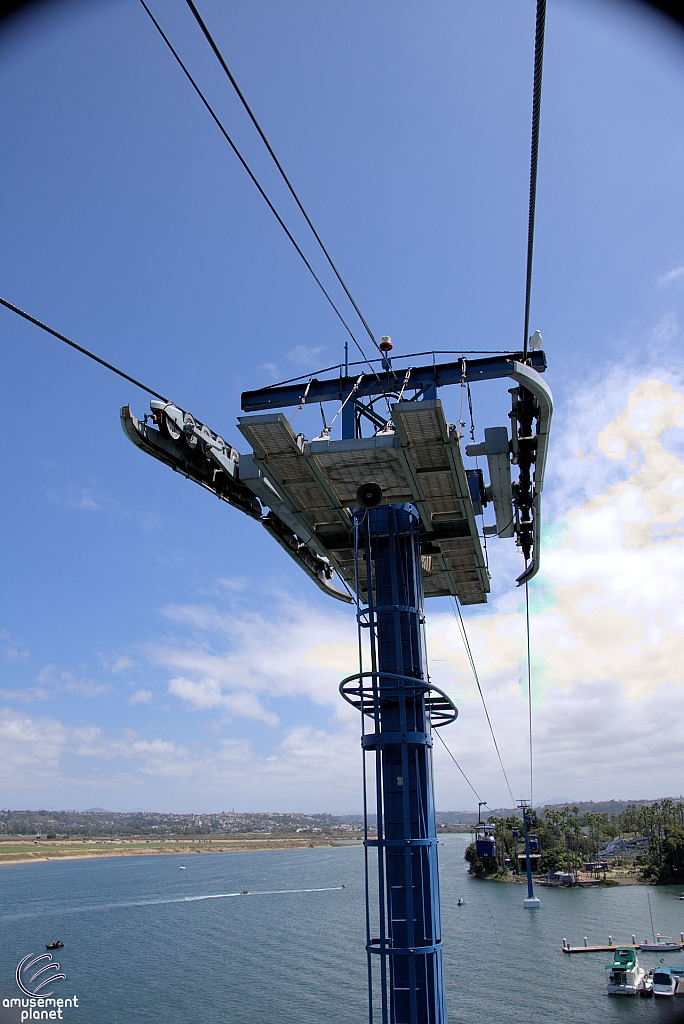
610 948
597 949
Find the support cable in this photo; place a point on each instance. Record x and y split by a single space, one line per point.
477 680
255 181
529 684
219 56
536 112
479 798
79 348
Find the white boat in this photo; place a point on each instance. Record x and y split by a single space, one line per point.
661 944
626 977
664 982
182 867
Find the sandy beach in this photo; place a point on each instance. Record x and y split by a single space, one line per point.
13 852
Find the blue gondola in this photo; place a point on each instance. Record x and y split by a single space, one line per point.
534 843
485 843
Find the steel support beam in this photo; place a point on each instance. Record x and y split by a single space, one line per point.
387 382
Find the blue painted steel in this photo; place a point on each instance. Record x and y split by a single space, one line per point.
431 377
406 949
485 847
349 421
528 862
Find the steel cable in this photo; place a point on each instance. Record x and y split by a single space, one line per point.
479 798
219 56
484 703
255 181
534 155
529 686
79 348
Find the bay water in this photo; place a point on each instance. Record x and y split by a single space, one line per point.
141 946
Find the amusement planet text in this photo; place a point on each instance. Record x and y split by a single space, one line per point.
45 1008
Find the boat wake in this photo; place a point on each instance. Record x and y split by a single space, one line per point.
158 903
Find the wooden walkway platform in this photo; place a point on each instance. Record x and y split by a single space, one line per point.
598 949
606 949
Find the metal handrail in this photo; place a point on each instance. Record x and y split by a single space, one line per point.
439 703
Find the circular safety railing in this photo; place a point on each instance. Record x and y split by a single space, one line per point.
366 697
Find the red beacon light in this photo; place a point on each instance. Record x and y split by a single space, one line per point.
386 347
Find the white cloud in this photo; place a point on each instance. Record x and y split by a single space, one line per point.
77 496
67 681
300 355
206 694
28 695
14 649
140 697
296 650
607 617
672 275
43 754
122 664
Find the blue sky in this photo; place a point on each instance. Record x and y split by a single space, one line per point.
160 650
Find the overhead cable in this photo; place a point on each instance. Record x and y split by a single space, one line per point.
529 686
219 56
479 798
253 177
536 113
79 348
484 703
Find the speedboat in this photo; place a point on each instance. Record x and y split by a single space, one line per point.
647 990
664 982
182 867
626 977
460 902
55 945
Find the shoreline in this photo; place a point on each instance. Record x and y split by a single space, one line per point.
541 883
150 849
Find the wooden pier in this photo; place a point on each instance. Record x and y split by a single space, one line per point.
610 948
598 949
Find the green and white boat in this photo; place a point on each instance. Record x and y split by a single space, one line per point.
626 977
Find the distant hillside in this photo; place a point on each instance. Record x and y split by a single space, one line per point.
584 807
96 821
608 806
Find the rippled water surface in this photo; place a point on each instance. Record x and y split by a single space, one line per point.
141 947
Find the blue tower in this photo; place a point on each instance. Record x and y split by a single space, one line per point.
404 940
417 535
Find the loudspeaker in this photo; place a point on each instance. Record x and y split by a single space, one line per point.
369 495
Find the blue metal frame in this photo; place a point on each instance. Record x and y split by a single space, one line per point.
408 944
425 379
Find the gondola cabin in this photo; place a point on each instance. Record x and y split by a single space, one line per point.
534 843
485 843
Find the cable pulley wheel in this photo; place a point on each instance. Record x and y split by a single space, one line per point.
170 427
188 431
